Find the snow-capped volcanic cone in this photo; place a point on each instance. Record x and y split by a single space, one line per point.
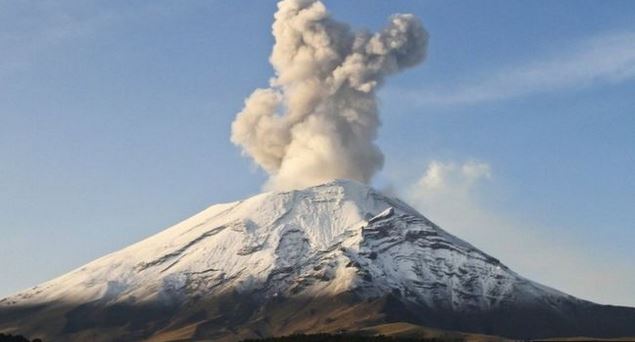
339 256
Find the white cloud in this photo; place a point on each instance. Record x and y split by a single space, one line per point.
603 59
449 194
443 177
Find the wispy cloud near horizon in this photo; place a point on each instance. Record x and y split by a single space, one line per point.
608 58
46 27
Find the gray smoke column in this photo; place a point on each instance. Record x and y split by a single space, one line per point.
318 120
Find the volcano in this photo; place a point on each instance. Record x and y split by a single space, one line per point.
338 257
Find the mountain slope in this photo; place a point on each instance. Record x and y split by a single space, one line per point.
339 256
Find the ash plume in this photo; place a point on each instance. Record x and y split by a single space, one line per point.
318 119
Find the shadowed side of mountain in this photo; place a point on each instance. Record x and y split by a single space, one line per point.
238 316
448 337
16 338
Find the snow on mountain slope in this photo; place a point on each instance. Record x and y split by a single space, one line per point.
320 241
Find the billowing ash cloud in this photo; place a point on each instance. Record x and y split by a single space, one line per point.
318 119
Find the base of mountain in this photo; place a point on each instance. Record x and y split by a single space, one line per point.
16 338
405 332
351 338
390 332
238 316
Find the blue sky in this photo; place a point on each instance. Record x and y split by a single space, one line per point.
516 134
